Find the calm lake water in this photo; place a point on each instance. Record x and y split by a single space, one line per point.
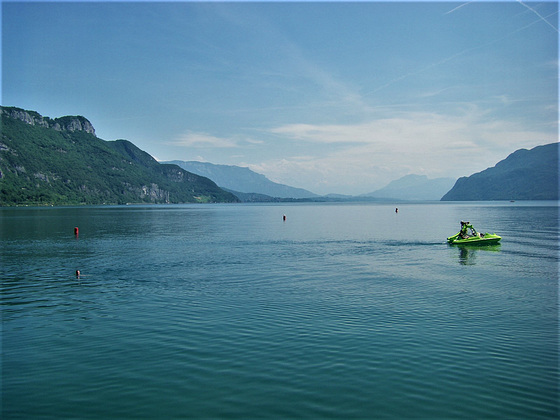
227 311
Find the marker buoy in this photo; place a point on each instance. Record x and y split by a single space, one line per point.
284 218
76 231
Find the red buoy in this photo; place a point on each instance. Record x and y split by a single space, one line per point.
76 231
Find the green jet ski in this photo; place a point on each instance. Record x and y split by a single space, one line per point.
475 238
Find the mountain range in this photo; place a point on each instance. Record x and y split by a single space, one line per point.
242 180
46 161
523 175
414 187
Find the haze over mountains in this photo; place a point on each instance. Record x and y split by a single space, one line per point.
244 180
61 161
414 187
241 179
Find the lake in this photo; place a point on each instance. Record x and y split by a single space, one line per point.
228 311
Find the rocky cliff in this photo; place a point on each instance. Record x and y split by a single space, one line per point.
68 123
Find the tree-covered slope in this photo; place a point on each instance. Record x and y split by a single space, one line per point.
523 175
61 161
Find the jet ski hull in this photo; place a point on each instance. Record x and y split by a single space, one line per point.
482 239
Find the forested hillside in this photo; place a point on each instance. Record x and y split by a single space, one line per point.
61 161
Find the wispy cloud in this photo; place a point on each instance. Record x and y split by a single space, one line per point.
429 130
325 133
458 7
203 140
371 154
292 63
406 128
254 141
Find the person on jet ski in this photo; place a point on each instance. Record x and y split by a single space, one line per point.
464 227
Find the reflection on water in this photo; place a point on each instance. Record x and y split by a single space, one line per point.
467 253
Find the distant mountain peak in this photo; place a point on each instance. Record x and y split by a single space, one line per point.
414 187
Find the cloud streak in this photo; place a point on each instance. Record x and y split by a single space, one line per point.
467 50
203 140
539 15
458 7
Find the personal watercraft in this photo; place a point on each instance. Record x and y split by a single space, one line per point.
475 238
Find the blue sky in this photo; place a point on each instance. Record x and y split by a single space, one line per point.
333 97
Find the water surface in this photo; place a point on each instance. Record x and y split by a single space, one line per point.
341 311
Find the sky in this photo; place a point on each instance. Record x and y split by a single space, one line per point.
333 97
